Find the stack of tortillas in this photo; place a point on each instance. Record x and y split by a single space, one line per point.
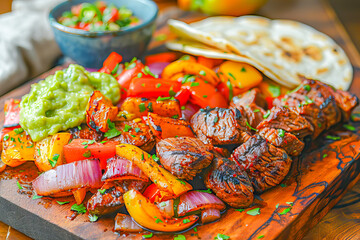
283 50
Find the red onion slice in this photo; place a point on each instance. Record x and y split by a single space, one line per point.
157 67
86 173
194 200
120 168
167 207
125 223
189 110
210 215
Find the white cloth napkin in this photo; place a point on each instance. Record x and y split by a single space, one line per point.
27 44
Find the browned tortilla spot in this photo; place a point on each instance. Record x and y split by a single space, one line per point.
313 52
322 70
341 62
287 40
294 56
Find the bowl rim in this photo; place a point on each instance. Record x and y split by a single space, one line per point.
54 23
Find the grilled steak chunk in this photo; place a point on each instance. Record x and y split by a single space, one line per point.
346 102
184 156
310 111
84 132
230 183
220 126
279 138
112 198
253 114
253 96
288 120
265 164
136 133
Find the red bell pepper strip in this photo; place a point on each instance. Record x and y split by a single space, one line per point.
152 192
12 113
111 62
150 87
204 94
161 57
183 96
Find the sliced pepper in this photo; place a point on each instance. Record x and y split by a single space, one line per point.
149 215
153 87
183 96
165 127
209 62
99 111
204 94
111 62
192 68
160 57
163 179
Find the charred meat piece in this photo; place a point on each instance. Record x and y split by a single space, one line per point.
230 183
110 197
135 132
253 114
84 132
220 126
310 111
184 156
282 139
346 102
288 120
324 97
253 96
265 164
165 127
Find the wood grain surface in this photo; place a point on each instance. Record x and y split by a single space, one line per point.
313 191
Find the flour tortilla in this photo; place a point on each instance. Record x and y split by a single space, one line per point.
283 50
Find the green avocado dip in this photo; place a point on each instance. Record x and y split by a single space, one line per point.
59 102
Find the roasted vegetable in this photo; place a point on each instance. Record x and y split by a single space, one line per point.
141 106
49 151
153 87
79 195
12 113
99 111
149 215
164 127
17 148
191 68
162 178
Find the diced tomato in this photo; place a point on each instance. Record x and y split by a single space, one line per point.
79 149
152 192
101 5
269 101
204 94
114 15
111 62
76 9
183 96
12 113
153 87
84 26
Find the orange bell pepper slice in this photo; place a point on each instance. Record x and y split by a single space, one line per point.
209 62
79 195
160 57
149 215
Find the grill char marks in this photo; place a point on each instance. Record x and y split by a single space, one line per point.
265 164
230 183
184 156
220 126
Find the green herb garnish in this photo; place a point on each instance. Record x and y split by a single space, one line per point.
78 208
62 203
253 212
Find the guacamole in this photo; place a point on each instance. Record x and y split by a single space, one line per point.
59 102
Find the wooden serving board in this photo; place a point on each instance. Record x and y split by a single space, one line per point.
313 187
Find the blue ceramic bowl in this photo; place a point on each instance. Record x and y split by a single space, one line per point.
90 49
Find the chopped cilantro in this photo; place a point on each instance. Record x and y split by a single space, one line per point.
256 110
79 127
285 211
290 203
183 107
248 124
260 237
158 85
139 75
194 84
155 158
87 154
161 37
332 137
102 191
186 221
180 237
277 205
175 116
35 196
157 220
216 119
62 203
207 190
149 107
204 96
281 133
283 185
112 132
6 137
253 212
137 129
78 208
274 90
203 73
195 229
142 107
172 93
102 142
221 237
349 127
127 128
267 114
19 185
162 98
239 210
143 84
188 78
243 69
231 75
181 181
93 218
18 130
114 71
231 91
307 87
324 156
148 235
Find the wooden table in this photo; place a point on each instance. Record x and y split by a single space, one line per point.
343 220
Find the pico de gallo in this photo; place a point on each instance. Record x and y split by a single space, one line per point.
98 17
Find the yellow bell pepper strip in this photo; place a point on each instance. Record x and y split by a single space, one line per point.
79 195
163 179
241 75
49 151
191 68
149 215
17 148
